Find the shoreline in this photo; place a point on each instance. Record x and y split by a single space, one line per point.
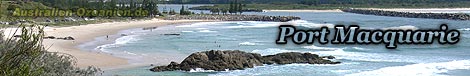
87 33
306 10
414 10
425 10
448 16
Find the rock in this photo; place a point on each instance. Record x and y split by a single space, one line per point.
221 60
239 60
295 57
49 37
329 57
69 38
172 34
66 38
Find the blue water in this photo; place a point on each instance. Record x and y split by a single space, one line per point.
148 47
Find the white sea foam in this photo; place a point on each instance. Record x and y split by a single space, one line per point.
464 29
202 70
421 69
126 39
254 24
341 71
311 25
376 57
339 53
359 48
187 31
272 51
320 48
406 27
268 70
207 31
200 24
119 41
248 44
201 28
130 53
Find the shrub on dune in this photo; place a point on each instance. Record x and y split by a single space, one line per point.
25 55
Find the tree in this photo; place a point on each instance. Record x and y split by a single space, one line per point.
150 6
112 4
154 8
172 12
224 11
132 4
214 10
240 8
182 12
232 8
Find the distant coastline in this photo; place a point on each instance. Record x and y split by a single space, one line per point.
412 10
416 14
306 10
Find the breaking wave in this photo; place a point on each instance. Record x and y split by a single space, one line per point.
421 69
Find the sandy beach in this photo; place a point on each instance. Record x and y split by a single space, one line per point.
87 33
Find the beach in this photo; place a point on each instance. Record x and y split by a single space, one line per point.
87 33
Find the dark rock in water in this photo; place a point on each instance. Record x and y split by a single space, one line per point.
49 37
172 34
239 60
221 60
329 57
149 28
295 57
67 38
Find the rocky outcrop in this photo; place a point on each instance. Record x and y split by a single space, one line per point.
450 16
234 18
239 60
295 57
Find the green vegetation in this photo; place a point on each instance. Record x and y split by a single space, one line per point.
7 7
183 11
100 20
318 2
26 56
234 7
3 9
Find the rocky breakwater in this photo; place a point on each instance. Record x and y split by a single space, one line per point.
234 18
450 16
239 60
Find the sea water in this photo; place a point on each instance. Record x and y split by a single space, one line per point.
152 46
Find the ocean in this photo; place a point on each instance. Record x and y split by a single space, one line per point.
145 47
